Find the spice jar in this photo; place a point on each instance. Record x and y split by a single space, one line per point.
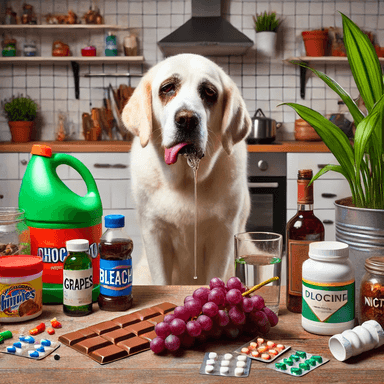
14 232
372 291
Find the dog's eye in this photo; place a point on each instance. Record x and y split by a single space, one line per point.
209 94
166 88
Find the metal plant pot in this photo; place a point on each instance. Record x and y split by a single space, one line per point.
363 230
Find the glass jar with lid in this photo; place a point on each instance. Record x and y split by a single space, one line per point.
14 232
372 291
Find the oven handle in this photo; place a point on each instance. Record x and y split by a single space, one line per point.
263 185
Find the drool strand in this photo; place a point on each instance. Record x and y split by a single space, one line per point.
193 161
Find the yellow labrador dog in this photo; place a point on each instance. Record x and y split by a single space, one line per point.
187 104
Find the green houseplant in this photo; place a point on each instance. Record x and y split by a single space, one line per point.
21 113
360 218
266 26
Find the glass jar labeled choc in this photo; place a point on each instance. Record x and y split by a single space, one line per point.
372 291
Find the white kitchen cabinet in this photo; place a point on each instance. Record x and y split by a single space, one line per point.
12 168
328 188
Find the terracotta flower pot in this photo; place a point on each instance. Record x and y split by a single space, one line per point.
21 130
315 42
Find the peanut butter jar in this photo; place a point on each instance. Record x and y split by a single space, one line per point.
21 288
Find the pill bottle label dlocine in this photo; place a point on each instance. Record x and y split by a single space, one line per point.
77 287
116 277
328 303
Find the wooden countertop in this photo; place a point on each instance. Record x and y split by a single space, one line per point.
125 146
146 367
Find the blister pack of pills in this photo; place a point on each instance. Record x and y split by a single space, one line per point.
28 347
299 363
262 350
225 365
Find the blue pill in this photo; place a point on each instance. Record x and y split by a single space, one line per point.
34 354
29 339
45 342
11 349
17 344
41 349
21 338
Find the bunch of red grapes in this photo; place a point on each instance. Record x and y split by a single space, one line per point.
219 311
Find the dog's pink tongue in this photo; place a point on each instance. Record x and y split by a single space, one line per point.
170 155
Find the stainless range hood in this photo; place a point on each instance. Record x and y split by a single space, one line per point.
206 33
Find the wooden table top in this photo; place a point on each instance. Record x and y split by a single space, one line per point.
146 367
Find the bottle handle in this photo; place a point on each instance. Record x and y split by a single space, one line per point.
63 158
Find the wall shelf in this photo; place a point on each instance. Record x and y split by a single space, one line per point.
317 60
63 26
68 59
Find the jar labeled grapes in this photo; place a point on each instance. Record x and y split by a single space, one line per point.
372 291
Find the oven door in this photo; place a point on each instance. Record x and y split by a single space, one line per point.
268 204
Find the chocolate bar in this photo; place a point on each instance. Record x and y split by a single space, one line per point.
118 338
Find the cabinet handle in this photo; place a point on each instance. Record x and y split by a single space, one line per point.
1 196
327 221
328 195
24 162
121 166
321 166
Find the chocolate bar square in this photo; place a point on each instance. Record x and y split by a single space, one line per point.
108 354
134 345
147 313
140 328
157 319
118 335
124 321
164 308
149 336
87 332
89 345
72 338
104 327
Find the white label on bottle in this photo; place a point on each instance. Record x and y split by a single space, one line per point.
77 287
324 303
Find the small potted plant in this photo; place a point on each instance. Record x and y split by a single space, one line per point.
21 113
266 25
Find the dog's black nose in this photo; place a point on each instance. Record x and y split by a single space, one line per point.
186 120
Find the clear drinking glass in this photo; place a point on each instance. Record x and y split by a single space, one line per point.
257 259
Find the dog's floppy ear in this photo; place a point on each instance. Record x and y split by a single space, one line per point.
236 122
137 114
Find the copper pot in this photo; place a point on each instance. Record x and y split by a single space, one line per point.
305 132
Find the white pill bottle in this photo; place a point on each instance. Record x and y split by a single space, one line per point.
328 289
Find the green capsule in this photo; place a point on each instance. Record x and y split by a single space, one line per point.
302 354
288 362
296 371
311 362
281 366
319 359
305 366
294 357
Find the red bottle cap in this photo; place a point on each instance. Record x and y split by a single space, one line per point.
20 265
41 150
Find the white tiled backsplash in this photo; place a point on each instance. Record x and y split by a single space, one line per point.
264 83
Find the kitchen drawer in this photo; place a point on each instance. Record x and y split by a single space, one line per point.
9 193
327 216
325 193
314 161
103 165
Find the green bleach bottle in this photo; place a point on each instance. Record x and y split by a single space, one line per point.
56 214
